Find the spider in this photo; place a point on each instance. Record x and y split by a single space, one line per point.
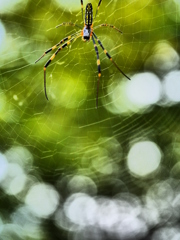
87 33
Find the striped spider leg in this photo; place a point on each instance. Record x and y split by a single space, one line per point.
82 8
99 70
98 8
68 24
108 25
55 46
70 39
108 55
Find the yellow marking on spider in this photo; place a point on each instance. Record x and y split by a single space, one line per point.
69 37
81 6
105 51
68 42
53 56
111 59
54 47
98 62
44 69
95 45
99 74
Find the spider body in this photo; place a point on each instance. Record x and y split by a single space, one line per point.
87 33
88 23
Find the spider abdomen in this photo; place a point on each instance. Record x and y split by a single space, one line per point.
89 15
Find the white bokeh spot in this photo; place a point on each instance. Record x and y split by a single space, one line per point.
144 89
172 86
42 199
143 158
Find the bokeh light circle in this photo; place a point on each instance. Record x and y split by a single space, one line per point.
143 158
42 199
144 89
172 86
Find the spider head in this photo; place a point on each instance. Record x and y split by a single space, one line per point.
89 15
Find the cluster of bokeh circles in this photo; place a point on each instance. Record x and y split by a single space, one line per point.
74 204
122 181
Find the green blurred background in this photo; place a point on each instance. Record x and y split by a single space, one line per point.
67 169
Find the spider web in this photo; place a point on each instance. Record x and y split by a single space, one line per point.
66 133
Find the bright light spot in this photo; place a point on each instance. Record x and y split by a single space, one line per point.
42 199
82 184
158 192
15 97
144 89
172 86
17 185
20 104
29 223
164 58
157 196
150 214
118 102
131 226
10 5
81 209
165 233
14 170
120 216
3 166
62 221
176 205
15 179
143 158
20 155
108 213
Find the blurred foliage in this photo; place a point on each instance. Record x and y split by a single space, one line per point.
65 133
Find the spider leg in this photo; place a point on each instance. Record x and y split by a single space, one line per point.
108 55
99 69
98 8
108 25
55 46
82 8
52 57
68 24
